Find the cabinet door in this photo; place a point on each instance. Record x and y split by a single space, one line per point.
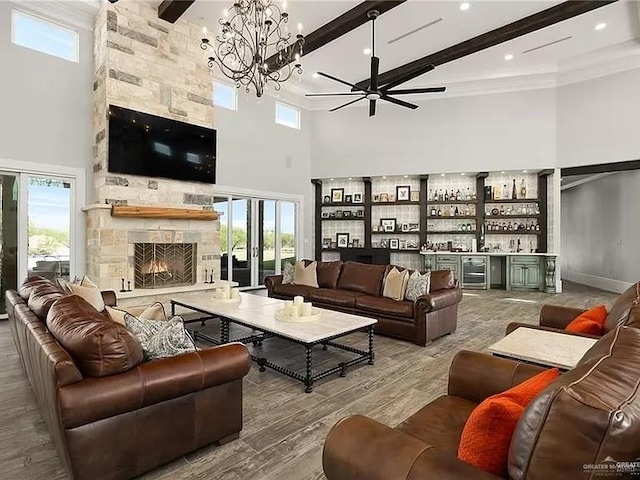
532 276
517 276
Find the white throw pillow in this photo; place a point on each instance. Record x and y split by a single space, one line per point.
306 275
154 312
418 285
89 291
395 284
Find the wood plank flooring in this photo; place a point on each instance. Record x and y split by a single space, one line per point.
284 428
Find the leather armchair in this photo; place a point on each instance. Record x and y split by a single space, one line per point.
553 318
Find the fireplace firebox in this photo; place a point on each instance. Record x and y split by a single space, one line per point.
159 265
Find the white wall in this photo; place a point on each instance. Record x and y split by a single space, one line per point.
46 112
256 153
480 133
600 231
599 120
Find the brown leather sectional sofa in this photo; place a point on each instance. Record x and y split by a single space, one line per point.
589 415
121 425
354 287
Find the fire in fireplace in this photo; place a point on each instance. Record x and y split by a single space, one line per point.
159 265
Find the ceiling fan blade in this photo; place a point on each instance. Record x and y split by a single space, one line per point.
347 104
332 94
409 91
409 76
372 108
344 82
399 102
375 67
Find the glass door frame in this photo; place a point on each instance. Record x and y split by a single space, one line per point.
255 197
77 231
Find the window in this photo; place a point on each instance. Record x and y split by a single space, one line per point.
225 96
44 36
287 115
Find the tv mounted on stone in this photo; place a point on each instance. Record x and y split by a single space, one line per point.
152 146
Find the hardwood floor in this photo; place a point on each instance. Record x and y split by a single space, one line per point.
284 428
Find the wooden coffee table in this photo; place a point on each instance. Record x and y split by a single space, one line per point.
258 313
550 349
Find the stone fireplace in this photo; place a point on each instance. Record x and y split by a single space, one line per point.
161 265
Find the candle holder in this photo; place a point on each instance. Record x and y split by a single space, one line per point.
211 279
128 285
206 276
122 285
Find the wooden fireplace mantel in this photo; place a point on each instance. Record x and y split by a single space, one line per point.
132 211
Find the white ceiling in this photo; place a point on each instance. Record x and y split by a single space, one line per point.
344 57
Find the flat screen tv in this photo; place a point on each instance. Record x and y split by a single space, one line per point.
151 146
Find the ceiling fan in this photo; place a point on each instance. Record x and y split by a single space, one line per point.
376 92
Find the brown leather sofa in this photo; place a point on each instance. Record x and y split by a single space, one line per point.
354 287
121 425
555 318
589 415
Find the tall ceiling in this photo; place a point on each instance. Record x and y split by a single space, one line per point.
450 25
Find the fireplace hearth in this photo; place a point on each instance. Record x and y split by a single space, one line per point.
160 265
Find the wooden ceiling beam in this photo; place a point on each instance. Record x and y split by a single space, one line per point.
172 10
532 23
337 27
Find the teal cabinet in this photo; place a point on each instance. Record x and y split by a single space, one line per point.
524 273
448 262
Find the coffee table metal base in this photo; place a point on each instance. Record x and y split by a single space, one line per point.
309 378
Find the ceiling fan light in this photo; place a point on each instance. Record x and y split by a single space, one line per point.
600 26
464 6
367 51
508 56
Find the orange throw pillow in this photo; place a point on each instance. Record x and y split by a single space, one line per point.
487 433
590 322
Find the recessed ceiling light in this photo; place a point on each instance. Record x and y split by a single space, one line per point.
367 51
316 74
442 174
384 177
463 174
332 179
524 171
406 176
508 56
601 26
464 6
502 172
350 178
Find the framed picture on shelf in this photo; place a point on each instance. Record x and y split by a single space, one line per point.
392 197
394 243
334 245
332 214
326 199
348 199
338 213
375 245
350 244
415 195
346 213
414 227
388 224
384 197
356 243
376 198
342 240
326 243
405 227
357 198
403 193
337 195
325 214
360 213
412 244
384 243
403 244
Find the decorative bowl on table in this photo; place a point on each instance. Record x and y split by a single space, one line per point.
282 315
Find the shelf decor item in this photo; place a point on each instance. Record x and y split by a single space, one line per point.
326 243
326 199
388 224
405 227
252 33
337 195
376 198
415 195
342 240
356 243
403 193
346 213
338 213
325 214
384 197
394 243
360 213
348 199
357 198
226 294
298 311
392 197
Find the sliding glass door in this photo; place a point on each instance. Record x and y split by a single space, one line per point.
256 234
9 188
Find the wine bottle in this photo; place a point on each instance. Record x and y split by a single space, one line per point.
433 211
446 196
523 189
502 210
456 213
440 195
505 192
514 191
439 212
537 227
458 195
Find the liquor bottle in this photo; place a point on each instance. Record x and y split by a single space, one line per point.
504 226
440 195
466 211
468 227
468 195
505 192
509 227
497 193
537 227
431 193
523 189
508 210
456 213
514 191
502 210
435 196
528 227
458 195
519 249
433 211
446 196
439 212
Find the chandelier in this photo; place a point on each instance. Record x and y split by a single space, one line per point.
254 46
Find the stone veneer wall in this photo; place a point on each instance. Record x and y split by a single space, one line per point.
145 64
